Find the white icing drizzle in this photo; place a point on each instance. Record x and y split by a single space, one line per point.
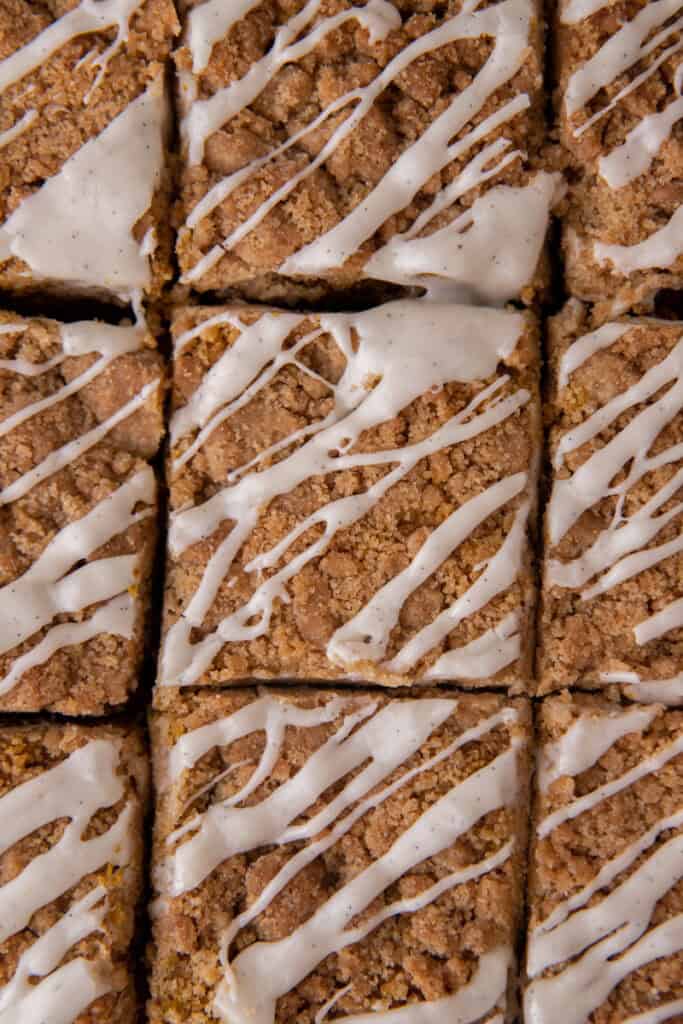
385 352
76 789
648 691
573 11
668 690
660 249
25 368
425 157
586 740
499 573
51 586
617 931
601 943
89 16
670 617
61 457
218 838
619 53
586 346
78 339
80 980
488 654
60 230
116 617
231 375
620 551
366 635
209 22
449 252
646 767
267 713
17 129
331 1002
636 155
470 1003
263 972
537 950
660 1013
469 249
207 116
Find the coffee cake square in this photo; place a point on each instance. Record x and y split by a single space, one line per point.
350 855
612 595
351 495
81 413
72 801
605 939
84 181
620 73
328 142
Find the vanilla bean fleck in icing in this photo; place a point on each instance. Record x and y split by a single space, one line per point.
381 346
45 986
356 760
488 252
596 937
55 584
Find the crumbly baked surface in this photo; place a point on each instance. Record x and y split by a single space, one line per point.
620 110
612 598
84 180
80 415
72 800
396 141
418 841
351 495
606 894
